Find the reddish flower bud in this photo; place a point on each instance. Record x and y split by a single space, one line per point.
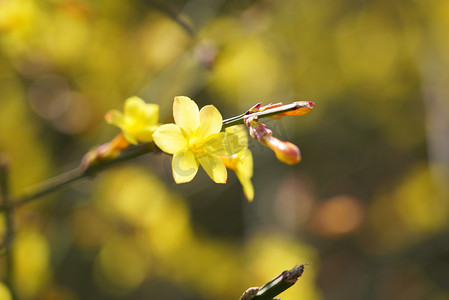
258 131
303 108
286 152
105 152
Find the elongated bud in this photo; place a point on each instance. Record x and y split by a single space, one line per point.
286 152
105 152
303 108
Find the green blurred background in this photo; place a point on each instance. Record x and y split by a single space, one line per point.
368 206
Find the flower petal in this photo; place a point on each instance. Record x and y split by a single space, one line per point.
223 144
130 137
241 132
248 188
210 121
134 106
184 166
146 134
170 138
213 166
114 117
186 114
151 113
244 166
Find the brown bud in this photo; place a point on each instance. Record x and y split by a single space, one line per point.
286 152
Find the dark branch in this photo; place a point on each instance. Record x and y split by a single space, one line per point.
275 286
9 225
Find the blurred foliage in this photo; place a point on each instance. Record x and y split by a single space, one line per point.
368 205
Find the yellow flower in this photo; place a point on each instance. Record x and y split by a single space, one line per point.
138 122
242 162
195 139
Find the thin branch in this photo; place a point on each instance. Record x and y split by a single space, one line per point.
9 226
275 286
174 15
62 180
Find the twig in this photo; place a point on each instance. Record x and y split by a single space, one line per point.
62 180
275 286
175 16
9 226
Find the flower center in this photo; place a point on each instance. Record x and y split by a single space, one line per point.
195 144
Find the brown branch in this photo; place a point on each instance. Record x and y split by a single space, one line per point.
275 286
9 226
62 180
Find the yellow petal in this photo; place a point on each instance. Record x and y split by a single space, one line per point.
139 116
138 121
210 121
114 117
184 166
245 165
223 144
134 107
186 114
151 113
146 134
213 166
248 188
241 132
130 137
170 138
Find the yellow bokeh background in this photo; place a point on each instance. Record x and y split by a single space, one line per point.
367 207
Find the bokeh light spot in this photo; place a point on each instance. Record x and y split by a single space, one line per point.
49 96
120 267
338 215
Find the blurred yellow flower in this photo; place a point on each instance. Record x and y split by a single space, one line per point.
31 262
4 292
242 162
138 122
195 139
16 15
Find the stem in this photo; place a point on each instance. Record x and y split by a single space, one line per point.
62 180
9 226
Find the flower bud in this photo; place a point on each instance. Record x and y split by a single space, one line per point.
286 152
105 152
258 131
303 108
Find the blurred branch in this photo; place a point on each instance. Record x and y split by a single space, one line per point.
62 180
9 225
435 89
192 15
174 15
275 286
